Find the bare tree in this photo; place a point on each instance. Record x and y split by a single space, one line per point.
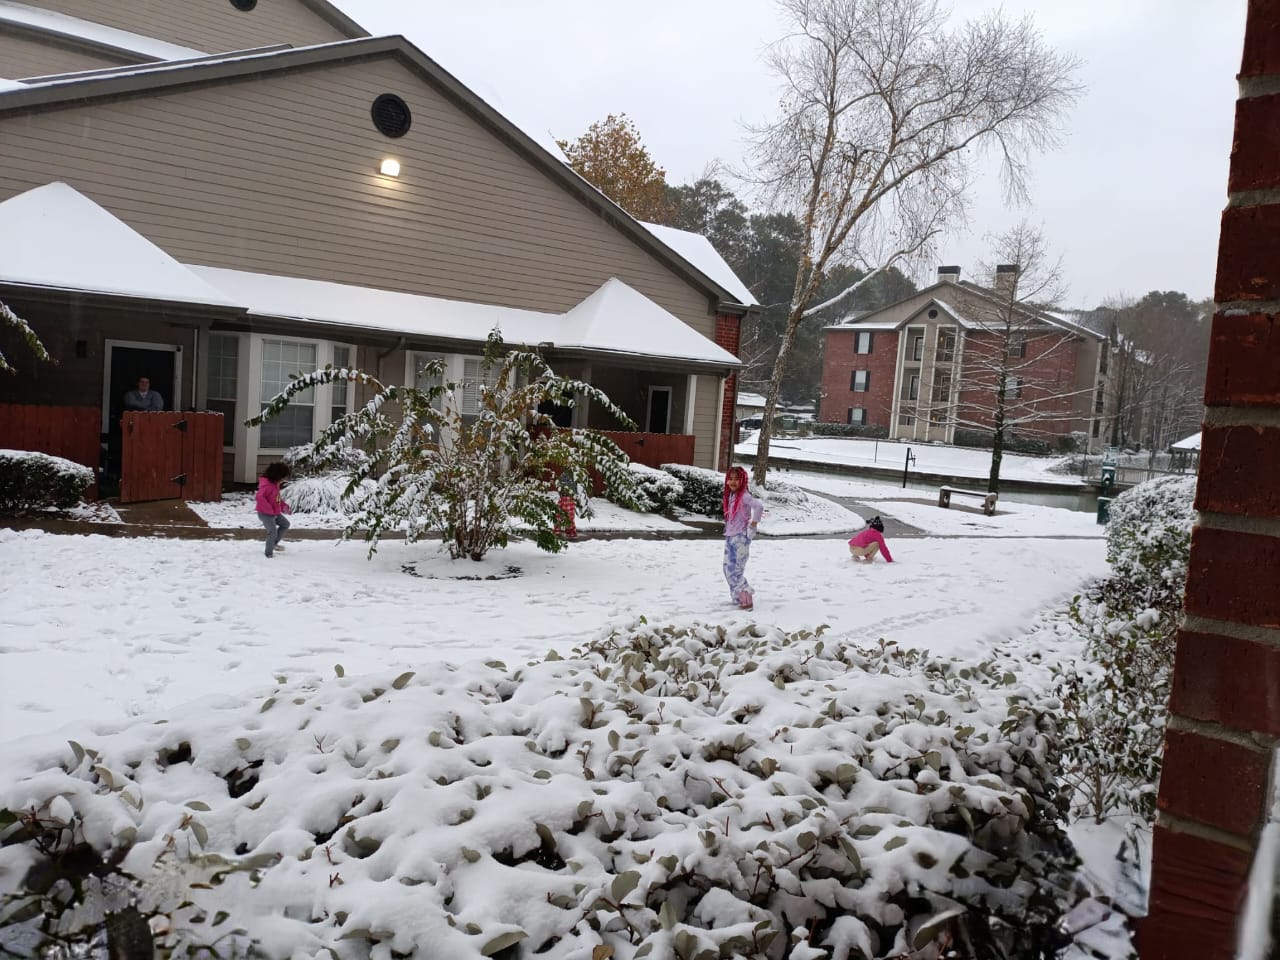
1017 371
883 108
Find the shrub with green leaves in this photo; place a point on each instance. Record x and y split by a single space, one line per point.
31 481
470 478
1116 699
868 431
666 791
703 491
657 491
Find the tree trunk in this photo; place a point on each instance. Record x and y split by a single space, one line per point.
761 468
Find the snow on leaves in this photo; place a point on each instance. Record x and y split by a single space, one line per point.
665 791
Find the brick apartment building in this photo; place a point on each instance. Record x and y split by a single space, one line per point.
924 367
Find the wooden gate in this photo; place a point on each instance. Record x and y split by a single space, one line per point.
73 433
169 456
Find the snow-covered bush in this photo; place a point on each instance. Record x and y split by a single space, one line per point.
676 791
471 478
37 481
657 490
327 493
1116 699
11 320
1149 537
340 457
703 490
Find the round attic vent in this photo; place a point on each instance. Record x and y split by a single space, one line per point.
244 5
391 115
933 314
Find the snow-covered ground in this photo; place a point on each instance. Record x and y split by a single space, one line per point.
96 629
891 455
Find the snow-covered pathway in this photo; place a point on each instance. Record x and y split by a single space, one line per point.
94 630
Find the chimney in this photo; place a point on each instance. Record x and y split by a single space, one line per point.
1006 277
949 273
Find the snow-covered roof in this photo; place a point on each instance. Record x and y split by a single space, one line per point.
750 400
698 250
10 85
1187 443
54 236
614 319
49 21
678 247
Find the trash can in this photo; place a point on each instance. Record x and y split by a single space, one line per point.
1104 510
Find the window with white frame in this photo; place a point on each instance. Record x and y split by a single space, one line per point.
913 387
864 341
468 372
339 401
857 416
946 350
860 381
282 361
222 366
917 347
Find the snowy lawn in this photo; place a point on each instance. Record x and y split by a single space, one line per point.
96 630
890 455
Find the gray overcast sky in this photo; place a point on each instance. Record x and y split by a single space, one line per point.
1131 200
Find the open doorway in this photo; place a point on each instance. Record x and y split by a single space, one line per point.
658 419
128 361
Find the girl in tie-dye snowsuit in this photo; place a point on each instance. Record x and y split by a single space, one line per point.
741 515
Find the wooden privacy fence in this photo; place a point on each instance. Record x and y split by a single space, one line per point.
169 456
73 433
654 449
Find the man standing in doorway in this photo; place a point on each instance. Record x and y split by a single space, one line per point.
144 398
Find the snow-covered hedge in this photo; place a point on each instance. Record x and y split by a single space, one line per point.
659 490
38 481
324 493
681 792
1116 697
703 489
1149 534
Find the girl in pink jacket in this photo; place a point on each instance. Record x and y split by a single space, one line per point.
865 545
271 505
742 513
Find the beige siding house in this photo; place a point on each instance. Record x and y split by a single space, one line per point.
262 176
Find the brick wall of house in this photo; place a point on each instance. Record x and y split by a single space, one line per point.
728 336
1049 375
840 359
1225 707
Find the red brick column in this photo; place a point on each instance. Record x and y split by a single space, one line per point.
1225 709
728 335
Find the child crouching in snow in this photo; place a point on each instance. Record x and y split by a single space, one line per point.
864 546
741 515
271 505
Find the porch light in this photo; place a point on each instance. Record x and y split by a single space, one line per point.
389 167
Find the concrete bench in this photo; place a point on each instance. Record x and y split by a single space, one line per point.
988 499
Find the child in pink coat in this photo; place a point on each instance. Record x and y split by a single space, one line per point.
271 505
864 546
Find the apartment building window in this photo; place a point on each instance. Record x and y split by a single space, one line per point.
913 387
282 360
906 419
475 377
1017 346
1104 357
946 351
1097 428
917 347
860 381
468 372
1013 388
223 369
1100 400
941 386
864 341
857 416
